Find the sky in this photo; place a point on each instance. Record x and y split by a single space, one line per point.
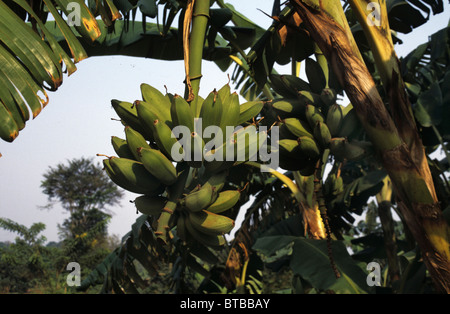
77 123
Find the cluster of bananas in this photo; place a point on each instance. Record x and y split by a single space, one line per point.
188 192
313 122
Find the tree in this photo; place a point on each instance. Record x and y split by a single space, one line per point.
82 189
379 145
81 185
23 263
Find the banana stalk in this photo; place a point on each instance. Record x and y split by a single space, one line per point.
197 13
418 203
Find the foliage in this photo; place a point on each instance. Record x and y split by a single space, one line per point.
79 185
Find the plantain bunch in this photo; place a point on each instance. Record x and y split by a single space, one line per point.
184 194
311 121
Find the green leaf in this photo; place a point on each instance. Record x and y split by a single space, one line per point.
310 260
428 108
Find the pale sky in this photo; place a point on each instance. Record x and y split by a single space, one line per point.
77 122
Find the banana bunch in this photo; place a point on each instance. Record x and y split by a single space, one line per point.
171 159
200 216
310 121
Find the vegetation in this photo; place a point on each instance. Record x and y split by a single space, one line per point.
367 159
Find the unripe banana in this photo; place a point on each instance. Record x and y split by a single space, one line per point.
199 199
310 98
162 133
135 175
249 110
121 147
225 200
342 149
313 115
308 147
328 96
118 179
225 93
181 113
213 241
289 148
159 102
163 114
212 110
298 127
211 223
322 134
334 119
196 151
158 165
231 112
350 122
289 107
150 205
128 114
135 141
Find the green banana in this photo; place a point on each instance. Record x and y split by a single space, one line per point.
121 147
247 147
285 133
295 84
116 178
328 97
158 165
181 113
211 223
213 241
249 110
135 141
298 127
159 102
150 205
134 175
163 115
322 134
289 107
199 198
128 114
224 93
280 87
231 112
162 133
313 115
308 147
196 151
212 110
225 200
350 122
343 149
334 119
217 181
310 98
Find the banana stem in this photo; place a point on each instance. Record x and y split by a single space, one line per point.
193 46
163 221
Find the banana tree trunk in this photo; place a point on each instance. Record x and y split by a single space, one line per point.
411 177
